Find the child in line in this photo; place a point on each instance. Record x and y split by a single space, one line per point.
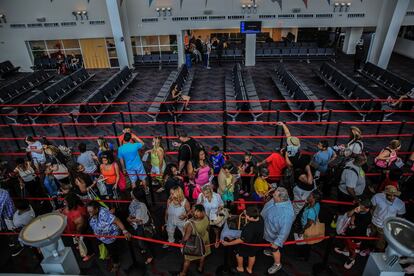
261 186
246 167
217 161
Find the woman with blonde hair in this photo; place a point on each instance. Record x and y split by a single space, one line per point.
103 146
178 209
388 156
157 159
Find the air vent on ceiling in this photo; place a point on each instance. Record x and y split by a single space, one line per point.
324 15
198 18
68 24
410 13
208 12
235 17
302 15
35 25
267 16
97 22
356 15
41 19
296 10
286 16
51 25
217 17
180 19
17 26
147 20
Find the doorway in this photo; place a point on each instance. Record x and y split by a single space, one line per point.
95 54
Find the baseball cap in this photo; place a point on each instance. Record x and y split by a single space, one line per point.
391 190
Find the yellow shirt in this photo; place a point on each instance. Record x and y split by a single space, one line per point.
261 187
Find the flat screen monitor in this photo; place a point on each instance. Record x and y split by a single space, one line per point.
250 27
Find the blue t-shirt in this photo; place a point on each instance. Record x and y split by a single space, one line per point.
129 152
322 158
217 161
310 213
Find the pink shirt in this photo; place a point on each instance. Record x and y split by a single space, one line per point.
202 176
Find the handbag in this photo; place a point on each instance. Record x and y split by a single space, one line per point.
83 250
122 181
314 231
221 218
194 246
342 224
237 222
101 187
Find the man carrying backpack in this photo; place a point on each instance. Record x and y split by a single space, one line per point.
352 183
187 153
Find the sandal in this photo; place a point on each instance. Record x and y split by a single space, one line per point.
149 262
115 267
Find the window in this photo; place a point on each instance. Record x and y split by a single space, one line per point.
154 45
112 54
52 48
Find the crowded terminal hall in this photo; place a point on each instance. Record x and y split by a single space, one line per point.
207 137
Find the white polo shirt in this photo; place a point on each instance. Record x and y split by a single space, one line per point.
385 209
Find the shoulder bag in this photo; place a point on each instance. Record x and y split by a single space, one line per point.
194 246
316 230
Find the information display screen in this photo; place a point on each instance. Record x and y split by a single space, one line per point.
250 27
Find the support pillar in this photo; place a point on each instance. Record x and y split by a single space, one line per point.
118 32
127 33
180 48
389 22
250 53
352 36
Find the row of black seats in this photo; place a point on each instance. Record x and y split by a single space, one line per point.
299 97
348 89
46 63
239 86
7 68
23 85
107 93
156 59
296 53
55 93
395 84
183 79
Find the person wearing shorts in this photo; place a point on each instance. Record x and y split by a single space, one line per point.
131 163
252 233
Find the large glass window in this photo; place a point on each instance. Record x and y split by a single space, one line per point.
154 44
113 56
53 48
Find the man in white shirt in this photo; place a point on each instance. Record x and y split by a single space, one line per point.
36 150
352 183
385 205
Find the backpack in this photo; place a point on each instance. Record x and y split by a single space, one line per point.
336 171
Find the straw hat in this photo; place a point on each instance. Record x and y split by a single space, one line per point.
293 141
391 190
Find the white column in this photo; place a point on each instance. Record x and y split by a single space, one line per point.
180 48
392 34
352 36
250 53
127 34
389 22
117 32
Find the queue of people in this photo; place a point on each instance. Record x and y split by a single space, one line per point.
204 189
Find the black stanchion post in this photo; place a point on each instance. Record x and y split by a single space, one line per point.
400 130
14 136
338 126
323 104
115 132
74 125
129 111
43 111
410 147
277 120
281 140
329 119
225 130
122 118
269 107
381 120
30 123
174 125
62 132
166 135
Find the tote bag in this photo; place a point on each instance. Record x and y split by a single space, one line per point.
314 231
194 246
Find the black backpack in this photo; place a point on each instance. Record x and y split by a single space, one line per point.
337 170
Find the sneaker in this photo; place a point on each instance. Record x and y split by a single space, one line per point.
342 252
16 250
246 194
349 263
241 192
274 268
267 252
165 246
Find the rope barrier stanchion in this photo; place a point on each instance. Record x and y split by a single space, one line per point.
381 120
338 127
62 132
75 128
115 132
129 111
328 120
175 121
121 114
400 130
269 107
410 147
167 134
